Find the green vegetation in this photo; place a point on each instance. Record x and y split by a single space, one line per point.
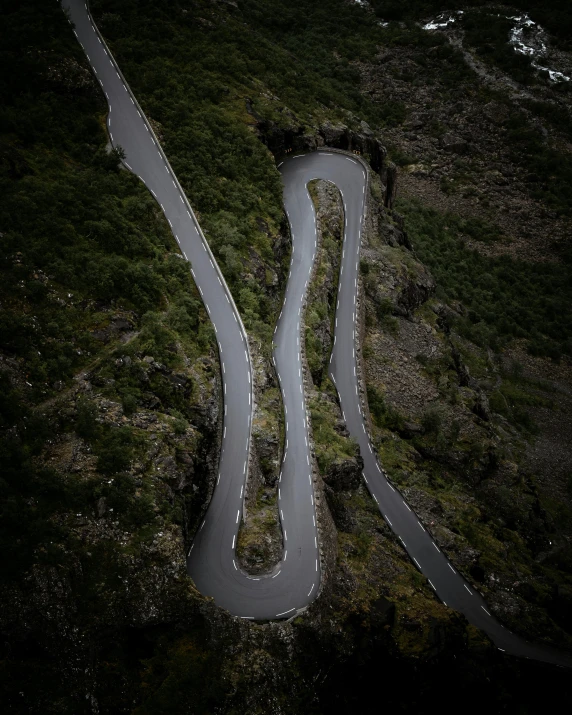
195 71
188 84
72 221
455 428
459 478
84 245
329 444
505 298
85 248
383 415
400 157
550 169
320 314
182 676
198 72
91 282
259 539
316 355
489 33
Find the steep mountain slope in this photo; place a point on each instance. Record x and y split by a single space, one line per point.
110 380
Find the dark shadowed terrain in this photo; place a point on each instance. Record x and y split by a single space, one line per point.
110 399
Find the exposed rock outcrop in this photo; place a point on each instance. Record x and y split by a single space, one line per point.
344 474
394 281
293 135
389 176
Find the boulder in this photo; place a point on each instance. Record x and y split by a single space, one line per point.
454 144
101 506
411 429
496 112
415 290
335 135
293 135
344 474
395 236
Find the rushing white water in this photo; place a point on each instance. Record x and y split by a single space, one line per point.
536 42
526 37
442 20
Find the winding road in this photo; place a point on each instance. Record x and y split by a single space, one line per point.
295 581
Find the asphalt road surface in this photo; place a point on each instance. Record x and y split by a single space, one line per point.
295 581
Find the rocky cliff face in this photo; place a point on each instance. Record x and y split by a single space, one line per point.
292 135
433 398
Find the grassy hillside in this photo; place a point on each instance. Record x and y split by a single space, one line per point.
89 271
